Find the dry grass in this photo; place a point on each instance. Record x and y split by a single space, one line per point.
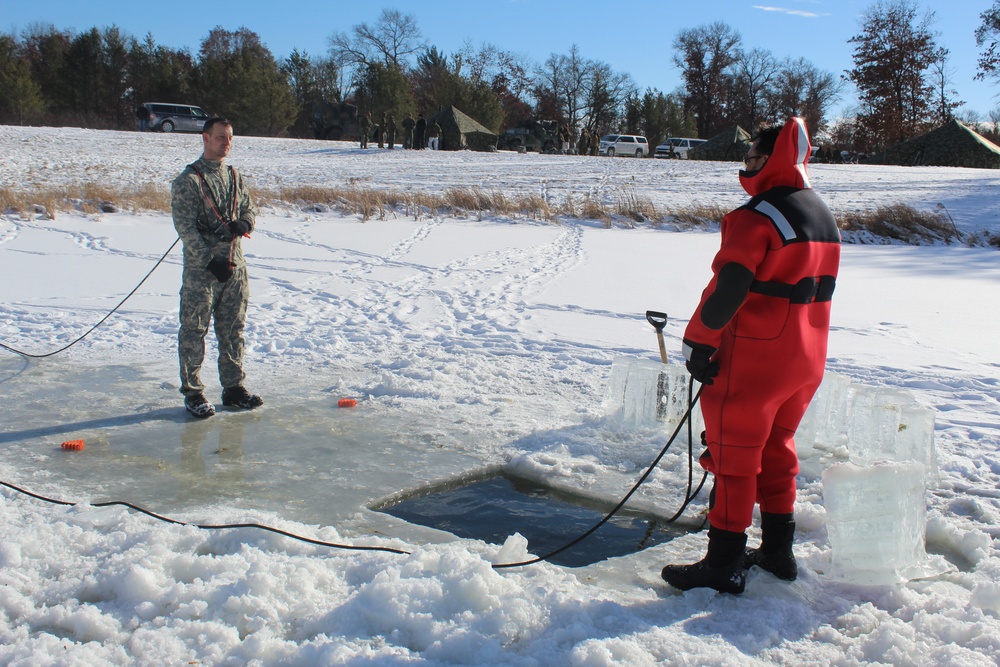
698 215
900 222
371 203
634 207
87 198
594 210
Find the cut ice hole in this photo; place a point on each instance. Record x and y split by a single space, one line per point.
493 508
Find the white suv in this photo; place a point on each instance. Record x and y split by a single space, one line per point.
677 147
624 144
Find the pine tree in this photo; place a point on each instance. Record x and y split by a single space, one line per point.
239 78
20 97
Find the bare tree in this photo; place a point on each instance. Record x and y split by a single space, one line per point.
392 40
505 73
581 92
800 89
607 92
500 69
945 96
571 85
704 54
986 35
753 75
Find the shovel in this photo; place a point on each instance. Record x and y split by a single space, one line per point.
658 320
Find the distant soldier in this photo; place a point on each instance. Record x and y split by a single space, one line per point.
418 132
390 132
408 131
434 136
564 138
381 131
595 144
142 113
212 212
583 147
366 128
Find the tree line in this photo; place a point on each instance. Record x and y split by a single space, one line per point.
98 78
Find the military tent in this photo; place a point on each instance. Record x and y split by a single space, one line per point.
459 132
951 145
728 146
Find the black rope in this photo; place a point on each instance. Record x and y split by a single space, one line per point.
685 419
224 526
113 310
690 423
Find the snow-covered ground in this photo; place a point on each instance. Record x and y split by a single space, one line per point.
470 343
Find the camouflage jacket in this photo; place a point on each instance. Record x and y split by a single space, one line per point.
197 207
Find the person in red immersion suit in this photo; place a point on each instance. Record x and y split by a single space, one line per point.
757 342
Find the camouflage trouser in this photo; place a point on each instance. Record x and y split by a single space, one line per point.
202 299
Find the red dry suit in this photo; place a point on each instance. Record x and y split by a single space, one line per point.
766 313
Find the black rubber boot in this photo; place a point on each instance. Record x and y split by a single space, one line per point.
198 406
238 397
775 551
722 568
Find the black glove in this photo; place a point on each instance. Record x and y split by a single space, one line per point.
221 269
239 227
699 361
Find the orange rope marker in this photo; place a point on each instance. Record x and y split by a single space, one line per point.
347 403
75 445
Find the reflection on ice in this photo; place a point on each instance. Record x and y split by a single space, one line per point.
300 456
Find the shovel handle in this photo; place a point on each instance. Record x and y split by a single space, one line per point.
657 319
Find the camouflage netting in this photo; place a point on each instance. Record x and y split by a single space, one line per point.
951 145
728 146
459 132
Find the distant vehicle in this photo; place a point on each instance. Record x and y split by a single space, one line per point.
677 147
176 117
624 144
531 135
332 120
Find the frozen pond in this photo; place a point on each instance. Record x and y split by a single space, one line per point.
300 456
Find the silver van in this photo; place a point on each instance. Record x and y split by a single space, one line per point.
176 117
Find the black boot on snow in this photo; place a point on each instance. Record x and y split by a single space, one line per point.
721 569
238 397
198 406
775 551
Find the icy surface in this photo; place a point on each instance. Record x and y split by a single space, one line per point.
470 343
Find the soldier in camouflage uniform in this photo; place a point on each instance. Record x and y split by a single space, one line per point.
390 132
408 123
583 145
366 128
212 211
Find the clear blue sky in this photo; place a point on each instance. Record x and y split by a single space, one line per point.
634 37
